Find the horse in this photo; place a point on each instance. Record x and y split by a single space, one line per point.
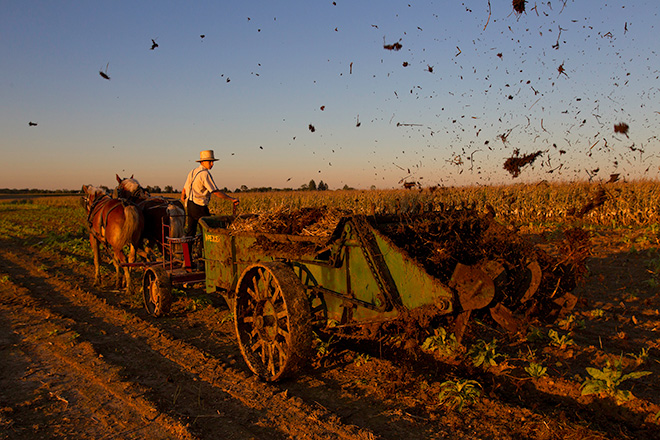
115 224
157 211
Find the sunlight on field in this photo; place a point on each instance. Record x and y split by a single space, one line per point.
626 204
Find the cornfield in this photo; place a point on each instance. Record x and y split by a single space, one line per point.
621 204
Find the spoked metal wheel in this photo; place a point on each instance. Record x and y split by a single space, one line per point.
157 291
273 320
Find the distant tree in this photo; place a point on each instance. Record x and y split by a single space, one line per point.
373 187
168 189
244 188
347 188
153 189
311 185
304 187
322 186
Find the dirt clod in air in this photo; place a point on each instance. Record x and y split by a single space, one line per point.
597 200
519 6
395 46
515 163
622 128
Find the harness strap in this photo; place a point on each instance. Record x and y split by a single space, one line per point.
95 209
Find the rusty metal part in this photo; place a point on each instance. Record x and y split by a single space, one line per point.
460 324
475 285
534 282
388 293
157 291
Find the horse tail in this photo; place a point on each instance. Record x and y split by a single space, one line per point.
177 220
131 231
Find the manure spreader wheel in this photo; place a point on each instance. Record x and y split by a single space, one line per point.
157 291
273 320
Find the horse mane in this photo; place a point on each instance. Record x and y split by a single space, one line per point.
130 188
129 184
90 189
94 191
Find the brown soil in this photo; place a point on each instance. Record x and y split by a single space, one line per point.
86 362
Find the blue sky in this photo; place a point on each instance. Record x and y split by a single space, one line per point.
464 92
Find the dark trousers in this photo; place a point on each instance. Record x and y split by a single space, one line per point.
194 213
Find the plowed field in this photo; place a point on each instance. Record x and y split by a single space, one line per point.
79 361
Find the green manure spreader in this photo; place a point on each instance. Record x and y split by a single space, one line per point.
373 274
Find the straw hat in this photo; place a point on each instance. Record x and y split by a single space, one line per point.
206 155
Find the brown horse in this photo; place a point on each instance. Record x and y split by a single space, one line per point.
157 211
115 224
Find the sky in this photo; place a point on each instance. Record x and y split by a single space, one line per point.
348 92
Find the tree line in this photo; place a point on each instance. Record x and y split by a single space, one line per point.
169 189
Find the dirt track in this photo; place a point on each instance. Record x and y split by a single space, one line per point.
89 362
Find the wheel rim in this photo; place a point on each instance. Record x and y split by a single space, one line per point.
150 291
156 291
272 320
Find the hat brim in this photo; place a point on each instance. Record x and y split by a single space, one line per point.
207 160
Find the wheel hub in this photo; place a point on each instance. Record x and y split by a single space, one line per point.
265 322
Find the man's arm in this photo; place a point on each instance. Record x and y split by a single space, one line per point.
222 195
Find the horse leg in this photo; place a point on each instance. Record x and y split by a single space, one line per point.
95 253
115 261
132 253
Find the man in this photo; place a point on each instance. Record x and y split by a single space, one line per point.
198 189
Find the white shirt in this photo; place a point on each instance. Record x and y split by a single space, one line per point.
199 186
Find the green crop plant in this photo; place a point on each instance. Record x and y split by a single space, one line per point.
536 370
441 342
483 354
535 334
559 341
570 322
322 347
455 394
608 380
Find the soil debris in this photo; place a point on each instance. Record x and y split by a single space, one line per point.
597 200
519 6
621 128
514 163
395 47
312 222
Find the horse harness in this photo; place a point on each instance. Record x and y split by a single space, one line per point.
96 208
